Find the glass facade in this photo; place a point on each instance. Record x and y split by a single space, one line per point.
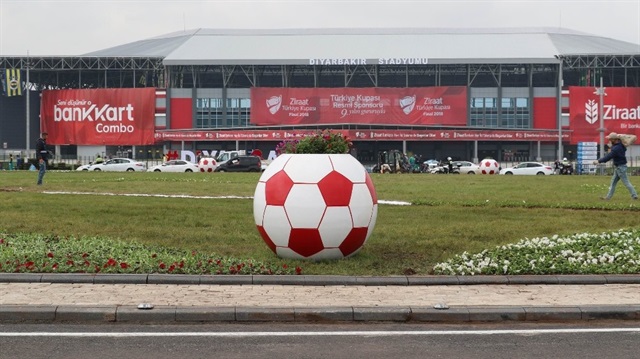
508 112
210 112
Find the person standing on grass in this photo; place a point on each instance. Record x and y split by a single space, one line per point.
618 155
42 156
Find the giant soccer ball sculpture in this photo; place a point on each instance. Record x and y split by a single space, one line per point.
489 166
315 206
207 164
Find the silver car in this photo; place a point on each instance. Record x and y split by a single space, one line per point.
119 165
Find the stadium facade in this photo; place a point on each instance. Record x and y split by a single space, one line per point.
511 94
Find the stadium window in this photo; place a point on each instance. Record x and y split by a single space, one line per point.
506 102
489 102
522 102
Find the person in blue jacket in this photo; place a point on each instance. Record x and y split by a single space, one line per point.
42 155
618 155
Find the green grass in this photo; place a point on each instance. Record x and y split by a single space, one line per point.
450 214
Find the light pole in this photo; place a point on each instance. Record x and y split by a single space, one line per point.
602 94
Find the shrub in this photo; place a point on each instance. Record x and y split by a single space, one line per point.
324 141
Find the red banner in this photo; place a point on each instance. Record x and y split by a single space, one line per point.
620 112
366 135
98 116
406 106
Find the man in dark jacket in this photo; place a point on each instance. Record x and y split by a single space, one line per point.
42 155
618 155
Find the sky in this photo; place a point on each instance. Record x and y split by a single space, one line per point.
76 27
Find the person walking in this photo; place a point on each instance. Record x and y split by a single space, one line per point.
618 155
42 156
11 162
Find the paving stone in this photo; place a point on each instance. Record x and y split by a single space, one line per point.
172 279
86 314
324 314
27 313
394 280
555 313
496 314
205 314
68 278
395 314
20 277
431 314
248 314
226 279
120 279
159 314
433 280
608 312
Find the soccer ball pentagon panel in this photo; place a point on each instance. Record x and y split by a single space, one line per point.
207 164
489 166
315 206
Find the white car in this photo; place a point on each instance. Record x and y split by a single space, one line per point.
175 166
467 167
119 165
84 167
528 168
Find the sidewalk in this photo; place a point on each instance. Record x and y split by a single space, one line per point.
184 298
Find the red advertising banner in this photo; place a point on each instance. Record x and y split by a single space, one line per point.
620 112
99 116
366 135
405 106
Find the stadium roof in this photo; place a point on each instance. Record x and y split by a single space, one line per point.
370 46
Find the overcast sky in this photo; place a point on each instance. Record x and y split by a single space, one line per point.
75 27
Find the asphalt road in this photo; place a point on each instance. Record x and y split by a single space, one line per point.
598 339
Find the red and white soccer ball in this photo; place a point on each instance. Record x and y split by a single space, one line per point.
315 206
489 166
207 164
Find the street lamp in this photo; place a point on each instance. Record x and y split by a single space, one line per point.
600 92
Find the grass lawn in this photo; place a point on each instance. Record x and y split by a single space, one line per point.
449 215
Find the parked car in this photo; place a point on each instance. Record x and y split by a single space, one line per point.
175 166
467 167
119 165
84 167
528 168
241 164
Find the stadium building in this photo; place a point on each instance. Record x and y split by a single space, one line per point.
511 94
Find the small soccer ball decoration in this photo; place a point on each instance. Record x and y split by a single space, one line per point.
489 166
315 206
207 164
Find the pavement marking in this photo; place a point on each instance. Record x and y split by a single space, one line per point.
324 333
393 203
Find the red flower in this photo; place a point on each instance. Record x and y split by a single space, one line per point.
54 266
285 266
172 268
69 262
124 265
162 265
85 255
181 264
298 270
50 255
111 262
87 263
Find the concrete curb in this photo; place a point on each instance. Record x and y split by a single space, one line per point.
173 314
239 314
319 280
